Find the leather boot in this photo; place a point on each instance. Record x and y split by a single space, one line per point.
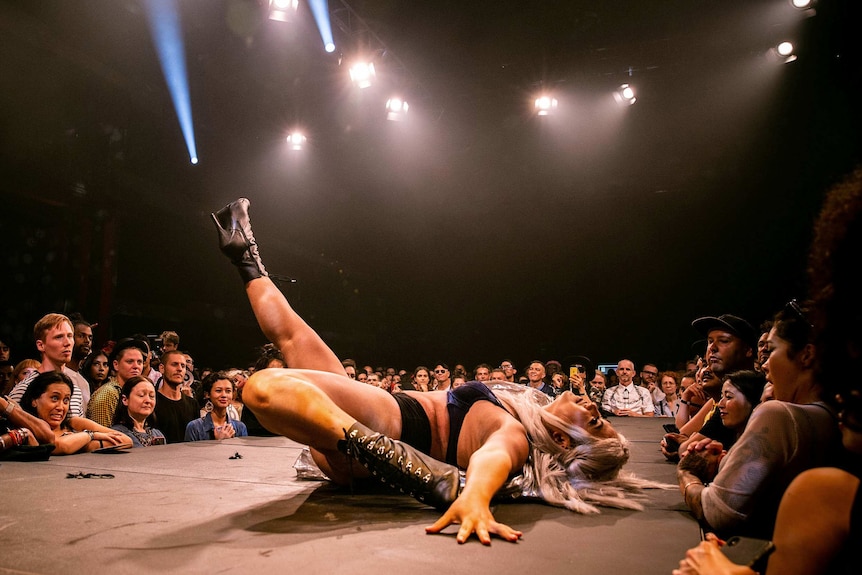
402 466
236 239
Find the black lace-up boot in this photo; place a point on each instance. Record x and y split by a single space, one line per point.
236 239
402 466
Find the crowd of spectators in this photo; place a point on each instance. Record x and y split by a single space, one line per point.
749 423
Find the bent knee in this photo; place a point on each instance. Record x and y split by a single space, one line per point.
258 390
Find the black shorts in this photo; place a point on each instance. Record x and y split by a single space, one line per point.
415 426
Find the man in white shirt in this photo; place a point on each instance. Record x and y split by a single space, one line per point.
628 399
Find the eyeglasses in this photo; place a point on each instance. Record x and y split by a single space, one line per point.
440 370
795 308
506 366
652 373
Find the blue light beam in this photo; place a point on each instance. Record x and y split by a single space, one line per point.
320 10
164 24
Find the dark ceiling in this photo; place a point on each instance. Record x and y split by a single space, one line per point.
472 232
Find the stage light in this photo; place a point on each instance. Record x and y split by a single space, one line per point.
785 52
545 105
396 108
283 10
194 159
802 4
296 140
320 10
625 94
163 18
362 74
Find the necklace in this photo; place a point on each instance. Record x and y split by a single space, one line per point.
144 437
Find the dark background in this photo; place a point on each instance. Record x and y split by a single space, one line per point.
472 232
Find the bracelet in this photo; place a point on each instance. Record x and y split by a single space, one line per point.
10 406
689 484
90 433
17 437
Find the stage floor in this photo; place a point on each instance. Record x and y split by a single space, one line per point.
190 508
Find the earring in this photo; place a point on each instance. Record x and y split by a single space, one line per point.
208 407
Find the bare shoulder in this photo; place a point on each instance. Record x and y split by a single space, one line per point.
824 485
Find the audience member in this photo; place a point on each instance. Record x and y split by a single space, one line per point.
598 385
762 353
19 427
54 340
669 404
442 379
96 370
421 378
627 399
7 376
740 394
738 494
482 372
127 358
48 397
170 342
134 414
219 390
5 349
509 369
83 342
458 381
174 409
25 368
817 528
497 374
536 378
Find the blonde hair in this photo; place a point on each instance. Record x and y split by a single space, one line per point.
586 474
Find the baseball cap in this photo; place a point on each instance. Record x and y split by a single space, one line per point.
729 323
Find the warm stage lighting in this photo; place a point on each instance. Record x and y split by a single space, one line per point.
296 140
396 108
362 74
785 52
545 105
283 10
625 94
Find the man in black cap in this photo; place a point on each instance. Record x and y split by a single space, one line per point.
731 345
127 359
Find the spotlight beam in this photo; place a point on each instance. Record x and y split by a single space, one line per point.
163 18
320 10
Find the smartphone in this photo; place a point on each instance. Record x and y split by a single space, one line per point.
672 445
575 369
747 550
670 428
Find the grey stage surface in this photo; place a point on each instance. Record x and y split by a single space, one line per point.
188 508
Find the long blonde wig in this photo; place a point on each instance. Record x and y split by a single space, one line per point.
586 474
